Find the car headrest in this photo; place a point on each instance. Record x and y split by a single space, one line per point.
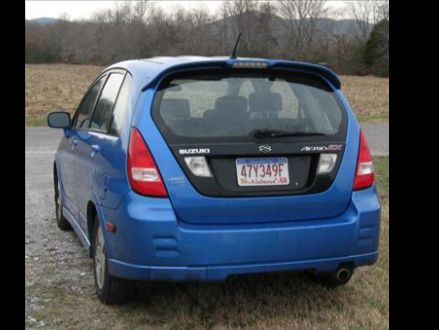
175 109
231 103
265 102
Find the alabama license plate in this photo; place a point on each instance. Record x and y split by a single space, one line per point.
262 171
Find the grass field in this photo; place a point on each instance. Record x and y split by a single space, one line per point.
51 87
368 97
268 301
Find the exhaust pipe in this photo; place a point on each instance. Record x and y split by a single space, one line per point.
343 275
335 278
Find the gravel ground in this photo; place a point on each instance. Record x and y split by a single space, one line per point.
377 135
53 258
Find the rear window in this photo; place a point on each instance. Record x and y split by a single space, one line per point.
231 106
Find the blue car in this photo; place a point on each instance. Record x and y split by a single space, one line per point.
199 168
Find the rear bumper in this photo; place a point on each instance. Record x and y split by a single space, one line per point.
151 244
220 273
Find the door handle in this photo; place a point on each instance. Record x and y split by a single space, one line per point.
94 149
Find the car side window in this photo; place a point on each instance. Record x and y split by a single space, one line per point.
121 107
103 110
82 117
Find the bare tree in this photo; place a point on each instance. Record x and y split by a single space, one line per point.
102 16
366 14
240 7
201 39
300 29
168 32
265 36
137 30
301 17
241 15
140 9
383 10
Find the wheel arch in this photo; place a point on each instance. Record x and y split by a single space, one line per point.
94 211
57 179
91 218
55 175
55 171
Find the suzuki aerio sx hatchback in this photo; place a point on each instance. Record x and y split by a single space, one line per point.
198 168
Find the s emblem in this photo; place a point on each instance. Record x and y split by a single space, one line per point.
264 148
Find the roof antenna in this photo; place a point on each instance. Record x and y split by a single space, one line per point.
236 45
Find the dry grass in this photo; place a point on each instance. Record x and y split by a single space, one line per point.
50 87
368 96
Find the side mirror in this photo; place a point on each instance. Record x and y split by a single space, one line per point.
59 119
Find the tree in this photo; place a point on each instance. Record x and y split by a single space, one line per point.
301 17
266 41
295 29
377 49
366 14
240 15
201 38
382 10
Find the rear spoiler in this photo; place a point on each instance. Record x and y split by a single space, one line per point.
313 68
271 64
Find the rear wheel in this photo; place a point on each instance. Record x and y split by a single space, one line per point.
61 221
109 289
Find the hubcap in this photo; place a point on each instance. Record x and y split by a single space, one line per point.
99 259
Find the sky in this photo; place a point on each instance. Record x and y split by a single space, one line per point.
80 9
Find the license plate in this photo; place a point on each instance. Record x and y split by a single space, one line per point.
262 171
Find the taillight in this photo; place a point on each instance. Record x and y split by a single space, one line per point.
143 174
364 176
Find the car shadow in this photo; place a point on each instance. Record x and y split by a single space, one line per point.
241 299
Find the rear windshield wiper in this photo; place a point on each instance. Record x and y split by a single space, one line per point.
261 133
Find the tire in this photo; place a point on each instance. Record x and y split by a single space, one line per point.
109 289
61 221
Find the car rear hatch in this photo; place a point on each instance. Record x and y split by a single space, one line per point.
252 146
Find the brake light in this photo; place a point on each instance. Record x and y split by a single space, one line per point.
143 174
364 177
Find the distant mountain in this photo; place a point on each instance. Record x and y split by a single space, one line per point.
277 23
279 26
43 20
